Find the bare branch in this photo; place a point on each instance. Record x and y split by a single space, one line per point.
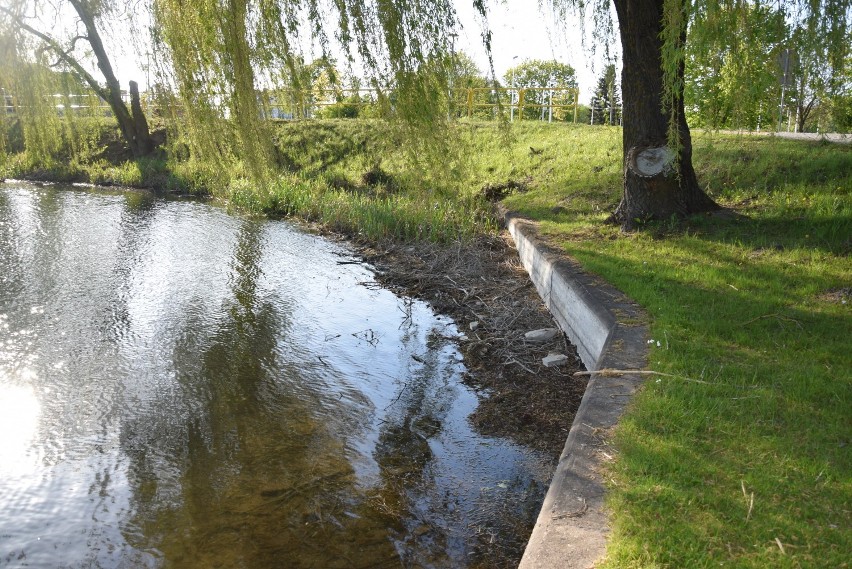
54 46
74 42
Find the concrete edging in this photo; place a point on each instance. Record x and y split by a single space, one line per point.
610 332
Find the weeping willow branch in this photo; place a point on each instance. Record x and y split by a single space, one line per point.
231 57
133 126
63 55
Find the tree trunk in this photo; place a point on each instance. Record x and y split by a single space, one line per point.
139 140
140 123
659 181
133 127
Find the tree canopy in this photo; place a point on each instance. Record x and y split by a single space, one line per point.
775 64
218 55
537 75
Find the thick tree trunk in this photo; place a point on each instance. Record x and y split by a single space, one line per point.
140 123
659 181
135 131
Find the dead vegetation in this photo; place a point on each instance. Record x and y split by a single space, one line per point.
482 285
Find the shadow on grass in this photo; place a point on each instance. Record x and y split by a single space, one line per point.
797 228
315 147
767 164
758 407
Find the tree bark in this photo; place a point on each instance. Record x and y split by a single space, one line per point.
659 180
135 131
140 123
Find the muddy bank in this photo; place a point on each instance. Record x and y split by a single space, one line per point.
483 286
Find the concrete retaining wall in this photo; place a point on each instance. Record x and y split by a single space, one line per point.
609 331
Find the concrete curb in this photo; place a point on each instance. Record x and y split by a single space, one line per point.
610 332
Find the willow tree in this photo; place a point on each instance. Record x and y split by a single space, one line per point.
224 53
659 179
734 80
44 23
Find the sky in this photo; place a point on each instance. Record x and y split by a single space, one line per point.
520 30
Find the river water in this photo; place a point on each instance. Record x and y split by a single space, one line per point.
181 387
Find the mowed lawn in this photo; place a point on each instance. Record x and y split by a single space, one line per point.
743 458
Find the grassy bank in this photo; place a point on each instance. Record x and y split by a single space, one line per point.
354 177
742 458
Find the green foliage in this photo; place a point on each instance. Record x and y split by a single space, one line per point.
464 73
749 65
471 92
344 108
221 54
214 64
732 79
396 216
35 107
537 75
353 177
606 102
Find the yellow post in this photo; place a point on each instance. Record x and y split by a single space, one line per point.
576 97
521 93
469 103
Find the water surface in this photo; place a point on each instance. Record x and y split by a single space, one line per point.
180 387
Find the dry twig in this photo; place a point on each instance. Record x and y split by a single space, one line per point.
777 316
608 372
514 361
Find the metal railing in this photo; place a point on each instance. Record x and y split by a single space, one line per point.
530 103
612 115
470 102
544 102
63 103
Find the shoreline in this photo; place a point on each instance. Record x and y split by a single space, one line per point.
481 284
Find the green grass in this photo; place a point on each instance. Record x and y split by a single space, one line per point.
713 473
354 177
749 445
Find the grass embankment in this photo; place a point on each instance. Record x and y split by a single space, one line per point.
355 177
741 459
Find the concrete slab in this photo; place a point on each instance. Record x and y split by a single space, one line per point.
610 332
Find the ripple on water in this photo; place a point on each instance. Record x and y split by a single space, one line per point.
202 389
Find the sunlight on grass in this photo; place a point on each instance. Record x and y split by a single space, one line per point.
759 310
748 464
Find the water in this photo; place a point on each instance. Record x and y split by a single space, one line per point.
180 387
